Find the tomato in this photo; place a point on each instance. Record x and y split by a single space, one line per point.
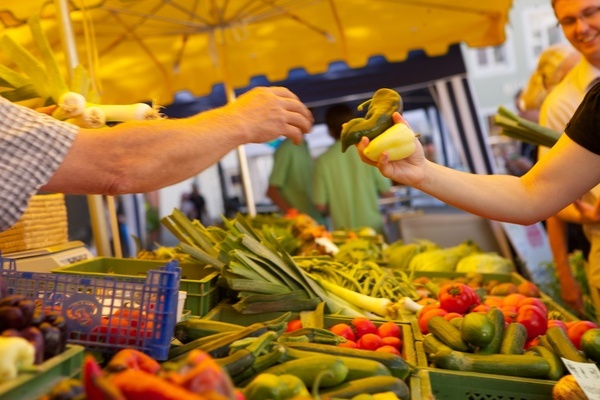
424 317
529 289
534 301
362 326
450 316
510 313
481 308
350 344
558 323
534 319
293 325
512 299
392 341
388 349
577 329
389 329
343 330
457 297
369 341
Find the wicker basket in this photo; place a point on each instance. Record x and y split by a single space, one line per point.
43 224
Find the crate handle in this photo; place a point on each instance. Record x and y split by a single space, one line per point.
12 263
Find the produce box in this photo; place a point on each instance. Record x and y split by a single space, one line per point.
226 313
102 313
198 281
455 385
38 380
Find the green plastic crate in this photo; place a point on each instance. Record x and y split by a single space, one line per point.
197 280
226 313
38 381
455 385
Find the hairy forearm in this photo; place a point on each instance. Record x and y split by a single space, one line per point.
142 156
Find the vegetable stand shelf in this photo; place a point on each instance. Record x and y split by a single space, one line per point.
39 379
198 281
105 314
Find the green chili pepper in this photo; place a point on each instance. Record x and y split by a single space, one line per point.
377 119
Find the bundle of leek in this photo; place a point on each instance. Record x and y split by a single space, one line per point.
256 266
524 130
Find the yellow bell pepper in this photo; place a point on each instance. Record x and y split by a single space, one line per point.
398 141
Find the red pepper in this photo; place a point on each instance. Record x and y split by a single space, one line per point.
133 359
97 386
534 319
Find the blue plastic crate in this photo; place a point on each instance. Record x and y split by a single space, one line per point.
106 314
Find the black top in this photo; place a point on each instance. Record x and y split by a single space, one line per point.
584 127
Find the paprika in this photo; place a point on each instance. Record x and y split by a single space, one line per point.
275 387
378 118
398 141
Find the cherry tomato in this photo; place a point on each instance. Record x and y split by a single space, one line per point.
392 341
369 341
534 319
362 326
576 331
424 317
293 325
343 330
457 297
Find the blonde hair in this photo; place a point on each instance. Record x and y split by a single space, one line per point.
553 64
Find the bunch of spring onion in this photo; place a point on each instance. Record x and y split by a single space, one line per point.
267 278
524 130
43 80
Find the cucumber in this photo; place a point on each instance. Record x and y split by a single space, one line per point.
357 368
236 362
502 364
369 385
447 333
397 365
195 328
497 318
431 344
309 368
562 345
515 337
557 368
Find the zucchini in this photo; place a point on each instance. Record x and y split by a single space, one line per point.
236 362
520 365
398 366
431 344
309 368
369 385
357 368
495 315
562 345
447 333
194 328
557 368
514 339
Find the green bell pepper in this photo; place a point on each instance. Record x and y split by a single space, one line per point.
275 387
377 119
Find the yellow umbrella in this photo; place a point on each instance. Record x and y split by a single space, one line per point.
150 49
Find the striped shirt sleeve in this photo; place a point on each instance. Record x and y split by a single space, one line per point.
32 146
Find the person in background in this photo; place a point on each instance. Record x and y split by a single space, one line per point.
548 91
290 180
193 205
42 153
345 189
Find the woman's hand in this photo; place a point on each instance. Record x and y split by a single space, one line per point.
408 171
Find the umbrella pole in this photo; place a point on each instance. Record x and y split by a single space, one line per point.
96 207
243 161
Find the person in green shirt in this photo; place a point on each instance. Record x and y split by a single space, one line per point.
344 188
290 179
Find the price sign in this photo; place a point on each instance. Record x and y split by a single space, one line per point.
587 376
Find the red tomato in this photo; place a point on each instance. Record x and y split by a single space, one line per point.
557 322
534 301
369 341
388 349
293 325
534 319
389 329
351 344
424 317
392 341
457 297
362 326
344 330
512 299
576 330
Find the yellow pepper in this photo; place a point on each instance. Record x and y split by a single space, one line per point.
398 141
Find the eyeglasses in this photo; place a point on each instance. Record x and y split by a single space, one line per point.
586 16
